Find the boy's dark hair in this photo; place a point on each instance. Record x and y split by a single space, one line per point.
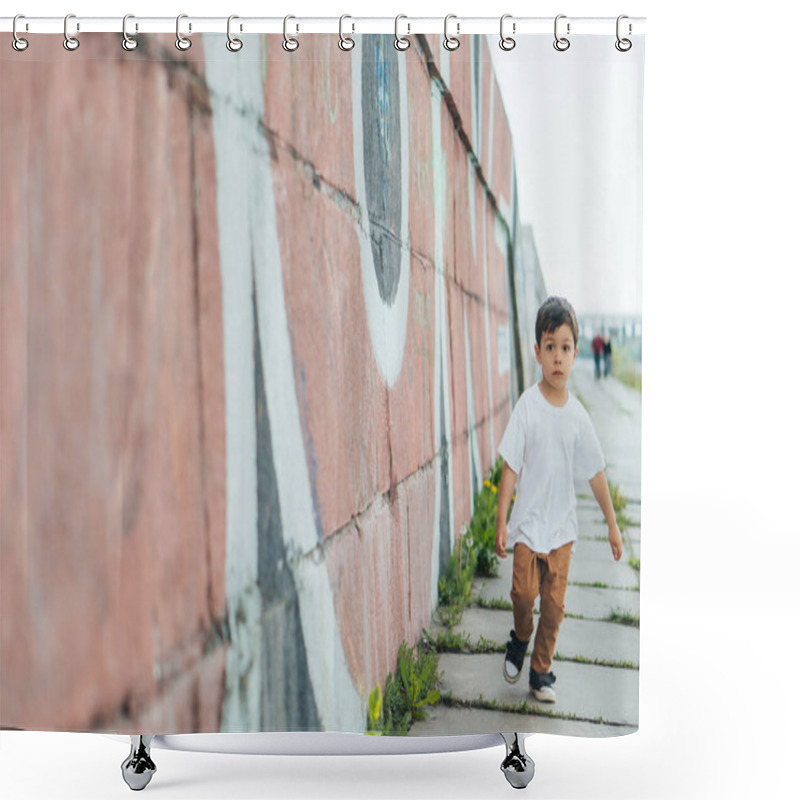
553 313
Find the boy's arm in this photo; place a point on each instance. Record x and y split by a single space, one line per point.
599 486
507 482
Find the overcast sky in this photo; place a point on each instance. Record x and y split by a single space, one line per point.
576 123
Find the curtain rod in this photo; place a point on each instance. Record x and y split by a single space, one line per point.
244 25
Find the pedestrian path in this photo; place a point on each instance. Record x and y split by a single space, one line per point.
597 653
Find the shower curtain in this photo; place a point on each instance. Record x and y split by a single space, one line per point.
266 317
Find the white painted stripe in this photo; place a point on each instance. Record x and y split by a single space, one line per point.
503 350
477 96
491 131
505 212
471 195
487 323
476 471
445 66
234 140
441 383
249 234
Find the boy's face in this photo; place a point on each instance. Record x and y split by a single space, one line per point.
556 354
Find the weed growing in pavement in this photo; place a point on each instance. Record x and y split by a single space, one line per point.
618 500
413 686
601 585
523 707
450 642
492 603
474 553
597 662
623 617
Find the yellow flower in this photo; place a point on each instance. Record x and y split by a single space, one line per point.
494 489
487 484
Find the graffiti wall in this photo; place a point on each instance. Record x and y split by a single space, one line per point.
258 349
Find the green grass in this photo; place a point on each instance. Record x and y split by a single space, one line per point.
413 686
474 554
624 522
623 617
618 500
601 585
626 364
523 707
597 662
491 603
451 642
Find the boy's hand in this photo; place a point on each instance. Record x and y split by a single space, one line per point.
500 538
615 540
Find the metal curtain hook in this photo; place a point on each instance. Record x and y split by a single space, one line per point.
233 44
128 42
70 42
451 42
623 45
401 42
561 43
18 43
182 42
290 44
346 42
507 42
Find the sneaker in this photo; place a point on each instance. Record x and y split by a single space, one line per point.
542 686
514 658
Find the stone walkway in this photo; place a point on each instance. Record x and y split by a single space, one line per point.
597 660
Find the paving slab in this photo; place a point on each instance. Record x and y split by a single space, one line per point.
589 514
631 536
618 426
492 588
591 550
606 641
592 514
612 573
634 510
590 692
445 720
593 529
634 533
591 520
600 533
505 569
586 601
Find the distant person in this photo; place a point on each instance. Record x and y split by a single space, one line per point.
549 432
597 349
607 356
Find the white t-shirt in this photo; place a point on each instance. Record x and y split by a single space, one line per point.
546 446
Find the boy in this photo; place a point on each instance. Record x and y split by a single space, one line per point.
548 434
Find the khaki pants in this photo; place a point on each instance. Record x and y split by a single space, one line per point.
543 574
